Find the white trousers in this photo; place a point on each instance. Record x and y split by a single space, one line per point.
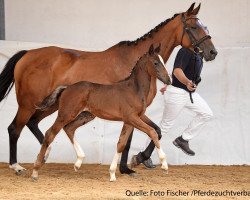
175 100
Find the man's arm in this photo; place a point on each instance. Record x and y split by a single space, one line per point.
179 74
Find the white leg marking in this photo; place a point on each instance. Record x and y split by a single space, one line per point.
47 153
17 167
163 159
113 166
80 154
34 175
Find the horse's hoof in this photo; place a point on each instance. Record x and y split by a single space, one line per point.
76 168
77 164
21 172
34 179
133 174
112 179
134 161
165 171
125 170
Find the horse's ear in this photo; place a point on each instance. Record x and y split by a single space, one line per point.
196 10
158 49
189 11
151 50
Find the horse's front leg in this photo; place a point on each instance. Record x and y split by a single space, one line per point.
142 124
145 155
125 133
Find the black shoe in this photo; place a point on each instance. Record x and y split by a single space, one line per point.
149 164
183 145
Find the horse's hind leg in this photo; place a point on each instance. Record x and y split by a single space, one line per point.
34 121
49 137
82 118
125 133
66 113
124 159
14 129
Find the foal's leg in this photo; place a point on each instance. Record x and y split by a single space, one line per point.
67 113
33 125
124 159
70 129
125 133
49 137
141 124
142 156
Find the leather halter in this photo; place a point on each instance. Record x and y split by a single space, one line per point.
195 43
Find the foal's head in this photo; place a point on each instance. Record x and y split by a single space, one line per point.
156 67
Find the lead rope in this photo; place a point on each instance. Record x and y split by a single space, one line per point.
193 80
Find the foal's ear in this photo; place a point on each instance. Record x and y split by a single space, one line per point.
158 49
196 10
189 11
151 50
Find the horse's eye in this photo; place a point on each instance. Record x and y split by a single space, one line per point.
155 63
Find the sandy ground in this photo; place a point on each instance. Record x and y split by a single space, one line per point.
60 181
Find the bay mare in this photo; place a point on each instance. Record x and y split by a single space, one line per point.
49 67
123 101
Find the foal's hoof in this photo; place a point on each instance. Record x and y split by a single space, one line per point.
34 179
76 168
112 179
78 164
134 161
20 172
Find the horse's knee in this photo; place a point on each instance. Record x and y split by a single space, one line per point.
120 147
158 131
12 131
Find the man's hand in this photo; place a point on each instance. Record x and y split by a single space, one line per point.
163 89
190 85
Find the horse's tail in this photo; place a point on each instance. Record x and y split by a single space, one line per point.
51 99
7 75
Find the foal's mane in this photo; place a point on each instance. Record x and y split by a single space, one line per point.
135 67
148 34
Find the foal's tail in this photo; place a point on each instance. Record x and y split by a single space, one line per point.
51 99
7 75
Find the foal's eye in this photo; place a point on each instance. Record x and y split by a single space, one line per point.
155 63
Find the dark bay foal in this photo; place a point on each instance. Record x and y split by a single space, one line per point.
124 101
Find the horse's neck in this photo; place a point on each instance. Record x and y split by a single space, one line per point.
142 81
165 37
152 91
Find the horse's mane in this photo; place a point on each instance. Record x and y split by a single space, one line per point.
148 34
135 67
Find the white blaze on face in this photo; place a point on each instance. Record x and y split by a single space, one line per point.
161 59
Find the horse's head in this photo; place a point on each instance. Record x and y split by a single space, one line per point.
191 33
156 67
